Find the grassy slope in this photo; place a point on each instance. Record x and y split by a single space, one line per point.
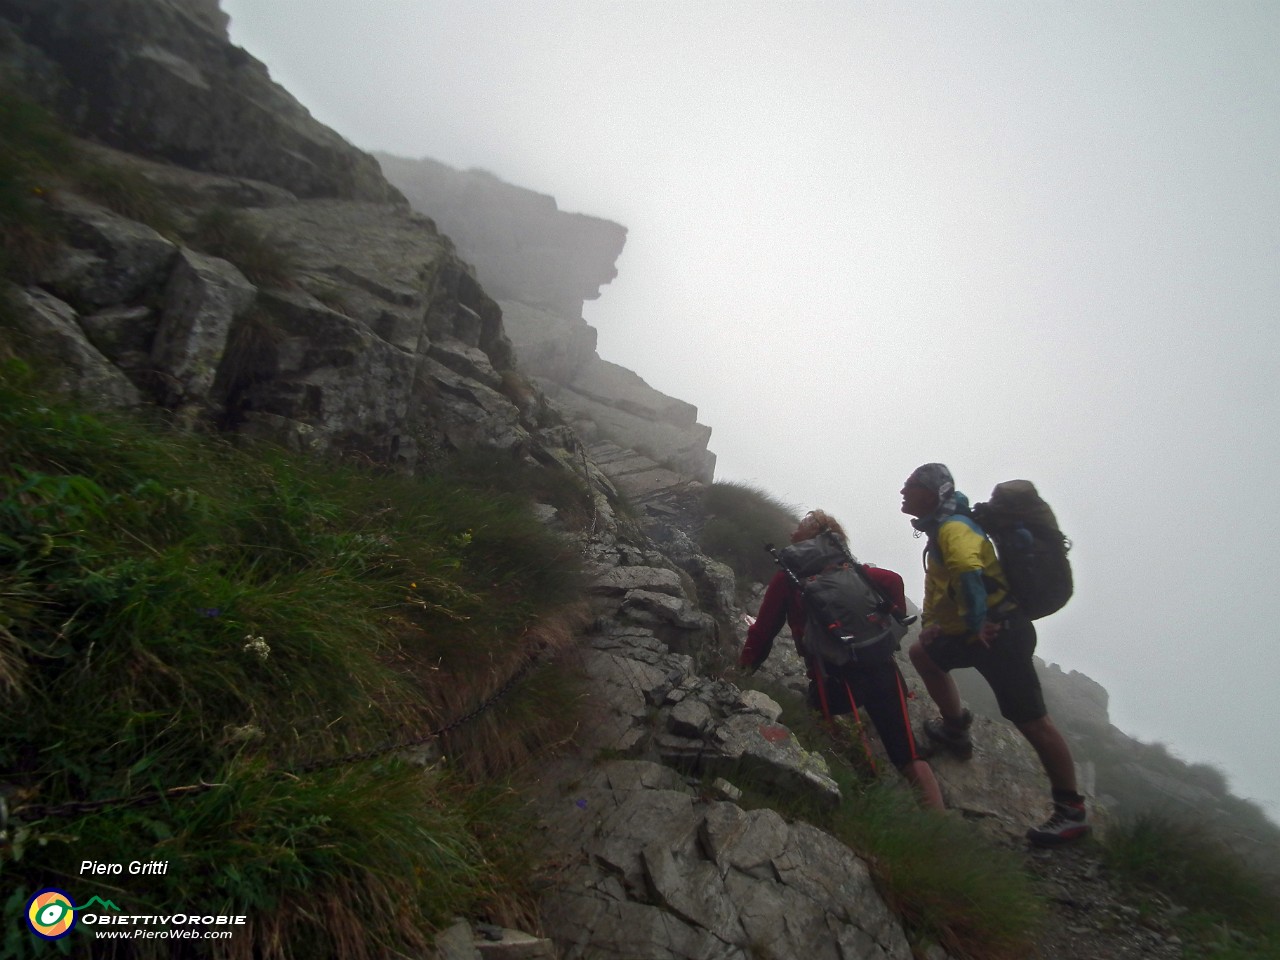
176 613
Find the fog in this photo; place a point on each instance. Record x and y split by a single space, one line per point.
1029 240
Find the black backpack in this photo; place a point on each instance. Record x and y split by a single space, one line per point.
1031 548
849 622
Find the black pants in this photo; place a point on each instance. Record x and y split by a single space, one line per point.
881 691
1006 665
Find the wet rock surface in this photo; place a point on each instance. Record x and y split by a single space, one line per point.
662 872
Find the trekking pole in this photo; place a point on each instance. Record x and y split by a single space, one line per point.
777 558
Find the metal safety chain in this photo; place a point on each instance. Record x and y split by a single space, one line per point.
586 477
73 808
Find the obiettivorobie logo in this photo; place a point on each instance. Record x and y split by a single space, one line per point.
52 915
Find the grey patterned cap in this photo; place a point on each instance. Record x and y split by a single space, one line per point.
936 477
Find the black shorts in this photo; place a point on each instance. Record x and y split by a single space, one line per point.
1006 666
878 689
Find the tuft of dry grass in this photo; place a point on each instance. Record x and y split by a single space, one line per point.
229 234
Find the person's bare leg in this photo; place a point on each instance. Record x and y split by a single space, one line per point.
938 682
1053 751
920 775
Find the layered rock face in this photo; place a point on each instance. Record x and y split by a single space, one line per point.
382 342
159 78
379 339
541 264
526 248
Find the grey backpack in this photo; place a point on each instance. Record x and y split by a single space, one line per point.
849 622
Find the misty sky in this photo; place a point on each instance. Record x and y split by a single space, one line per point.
1034 239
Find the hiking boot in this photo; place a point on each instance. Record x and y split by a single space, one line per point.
952 734
1070 821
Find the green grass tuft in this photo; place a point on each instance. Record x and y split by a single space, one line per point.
741 519
941 876
502 474
33 148
228 234
37 158
1232 910
127 192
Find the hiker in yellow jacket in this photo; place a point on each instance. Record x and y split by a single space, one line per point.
970 619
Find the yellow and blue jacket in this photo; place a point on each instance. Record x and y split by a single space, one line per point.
963 578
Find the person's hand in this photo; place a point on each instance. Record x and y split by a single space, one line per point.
988 632
930 634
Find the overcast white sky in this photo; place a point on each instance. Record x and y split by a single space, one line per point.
1035 239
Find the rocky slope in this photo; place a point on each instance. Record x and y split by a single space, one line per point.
541 263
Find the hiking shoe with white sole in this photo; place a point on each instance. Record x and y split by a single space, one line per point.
952 734
1070 821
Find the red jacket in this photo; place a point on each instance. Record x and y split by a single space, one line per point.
783 603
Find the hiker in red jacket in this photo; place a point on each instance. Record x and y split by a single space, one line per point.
970 619
877 687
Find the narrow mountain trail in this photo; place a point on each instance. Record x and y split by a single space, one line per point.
1091 915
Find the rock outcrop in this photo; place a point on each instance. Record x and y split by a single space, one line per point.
382 342
668 874
541 263
160 78
526 248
